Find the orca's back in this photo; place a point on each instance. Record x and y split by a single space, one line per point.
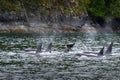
49 47
39 48
109 49
101 53
68 47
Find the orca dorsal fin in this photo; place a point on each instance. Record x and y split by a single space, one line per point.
109 49
68 47
39 48
101 52
49 48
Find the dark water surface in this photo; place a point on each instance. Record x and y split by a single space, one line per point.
15 64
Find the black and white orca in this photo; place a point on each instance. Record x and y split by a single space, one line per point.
39 49
99 54
48 50
68 47
109 49
92 54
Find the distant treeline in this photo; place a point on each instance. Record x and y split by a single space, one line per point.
99 10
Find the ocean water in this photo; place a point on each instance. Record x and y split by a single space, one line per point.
16 64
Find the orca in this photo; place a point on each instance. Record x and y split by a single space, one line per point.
100 54
92 54
68 47
39 49
49 48
109 49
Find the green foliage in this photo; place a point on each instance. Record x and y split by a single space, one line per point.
10 5
115 8
104 8
98 8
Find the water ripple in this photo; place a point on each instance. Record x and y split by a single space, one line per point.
15 64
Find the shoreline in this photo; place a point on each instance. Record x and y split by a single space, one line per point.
54 28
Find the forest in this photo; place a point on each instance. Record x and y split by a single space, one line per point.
101 12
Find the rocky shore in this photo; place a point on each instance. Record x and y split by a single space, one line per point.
46 28
38 28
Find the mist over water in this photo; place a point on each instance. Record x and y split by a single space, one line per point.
15 64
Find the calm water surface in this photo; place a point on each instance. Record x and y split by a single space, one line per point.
15 64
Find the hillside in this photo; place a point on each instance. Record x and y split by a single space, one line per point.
66 12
